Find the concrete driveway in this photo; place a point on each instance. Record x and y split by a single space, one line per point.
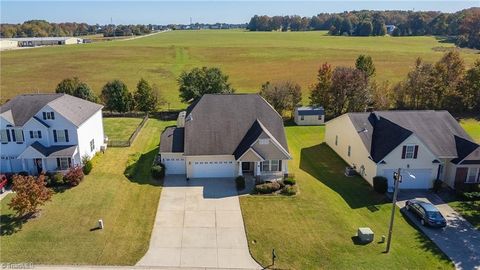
460 241
199 224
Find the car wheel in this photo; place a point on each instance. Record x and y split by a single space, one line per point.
422 221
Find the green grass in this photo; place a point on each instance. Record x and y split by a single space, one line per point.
120 128
61 235
470 210
472 126
314 230
249 58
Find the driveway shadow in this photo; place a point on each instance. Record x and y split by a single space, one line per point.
321 162
213 188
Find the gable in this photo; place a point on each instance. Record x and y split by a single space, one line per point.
269 149
250 156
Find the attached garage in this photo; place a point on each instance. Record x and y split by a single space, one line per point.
423 178
212 169
174 164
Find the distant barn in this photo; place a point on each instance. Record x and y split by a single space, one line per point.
44 41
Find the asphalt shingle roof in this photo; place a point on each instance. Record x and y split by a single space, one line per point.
172 140
55 151
22 108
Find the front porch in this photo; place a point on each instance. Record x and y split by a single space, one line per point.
268 170
37 159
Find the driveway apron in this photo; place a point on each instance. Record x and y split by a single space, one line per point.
199 224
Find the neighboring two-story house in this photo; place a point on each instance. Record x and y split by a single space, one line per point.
427 144
48 132
225 136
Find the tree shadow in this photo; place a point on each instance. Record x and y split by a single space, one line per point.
10 224
321 162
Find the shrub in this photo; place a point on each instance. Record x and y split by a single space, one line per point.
289 190
74 176
240 182
87 167
158 171
471 196
267 188
57 179
437 185
290 181
380 184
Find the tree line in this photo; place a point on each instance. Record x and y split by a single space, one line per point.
42 28
463 26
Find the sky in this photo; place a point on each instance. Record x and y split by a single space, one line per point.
180 12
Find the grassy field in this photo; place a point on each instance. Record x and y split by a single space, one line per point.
472 126
314 230
62 233
250 58
117 128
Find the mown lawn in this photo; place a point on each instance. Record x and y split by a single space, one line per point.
61 235
472 126
120 128
470 210
314 230
249 58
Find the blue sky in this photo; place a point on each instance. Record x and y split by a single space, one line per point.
163 12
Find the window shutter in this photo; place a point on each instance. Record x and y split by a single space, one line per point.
69 162
44 116
416 152
39 134
8 135
66 135
54 135
53 115
280 165
404 151
58 163
31 134
13 136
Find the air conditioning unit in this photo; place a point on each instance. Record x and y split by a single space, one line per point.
350 171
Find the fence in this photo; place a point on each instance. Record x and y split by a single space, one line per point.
162 115
127 143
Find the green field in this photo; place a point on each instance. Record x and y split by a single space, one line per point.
472 127
250 58
120 128
314 230
62 235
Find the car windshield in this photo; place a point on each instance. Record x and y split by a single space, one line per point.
435 215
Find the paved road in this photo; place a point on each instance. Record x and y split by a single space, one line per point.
199 224
460 241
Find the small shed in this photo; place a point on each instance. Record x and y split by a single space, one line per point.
309 116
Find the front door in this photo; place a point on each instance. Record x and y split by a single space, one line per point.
38 165
460 177
246 167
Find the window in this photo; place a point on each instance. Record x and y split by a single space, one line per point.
60 135
92 145
320 117
18 135
336 139
349 150
409 151
48 116
302 117
271 166
4 136
35 134
264 141
472 175
63 163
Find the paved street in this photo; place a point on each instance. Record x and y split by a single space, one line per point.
199 224
459 240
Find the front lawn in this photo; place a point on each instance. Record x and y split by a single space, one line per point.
61 235
314 229
120 128
470 210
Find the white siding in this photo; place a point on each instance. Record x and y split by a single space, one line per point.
308 120
92 129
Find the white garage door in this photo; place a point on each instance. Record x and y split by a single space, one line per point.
174 165
206 169
423 179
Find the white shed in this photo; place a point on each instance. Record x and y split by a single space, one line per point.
309 116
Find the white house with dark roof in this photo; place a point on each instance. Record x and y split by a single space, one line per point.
225 136
309 116
48 132
428 144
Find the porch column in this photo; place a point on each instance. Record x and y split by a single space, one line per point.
23 165
240 168
44 164
257 168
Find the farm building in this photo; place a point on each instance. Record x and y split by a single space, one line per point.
46 41
309 116
8 44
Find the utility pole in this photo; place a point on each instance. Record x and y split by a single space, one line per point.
397 178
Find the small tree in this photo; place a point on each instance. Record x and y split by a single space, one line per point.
365 63
75 87
199 81
283 96
84 91
116 97
30 193
320 93
74 176
145 98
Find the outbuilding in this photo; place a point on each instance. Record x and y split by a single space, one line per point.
309 116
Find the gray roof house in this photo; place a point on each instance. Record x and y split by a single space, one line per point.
428 144
48 132
225 136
